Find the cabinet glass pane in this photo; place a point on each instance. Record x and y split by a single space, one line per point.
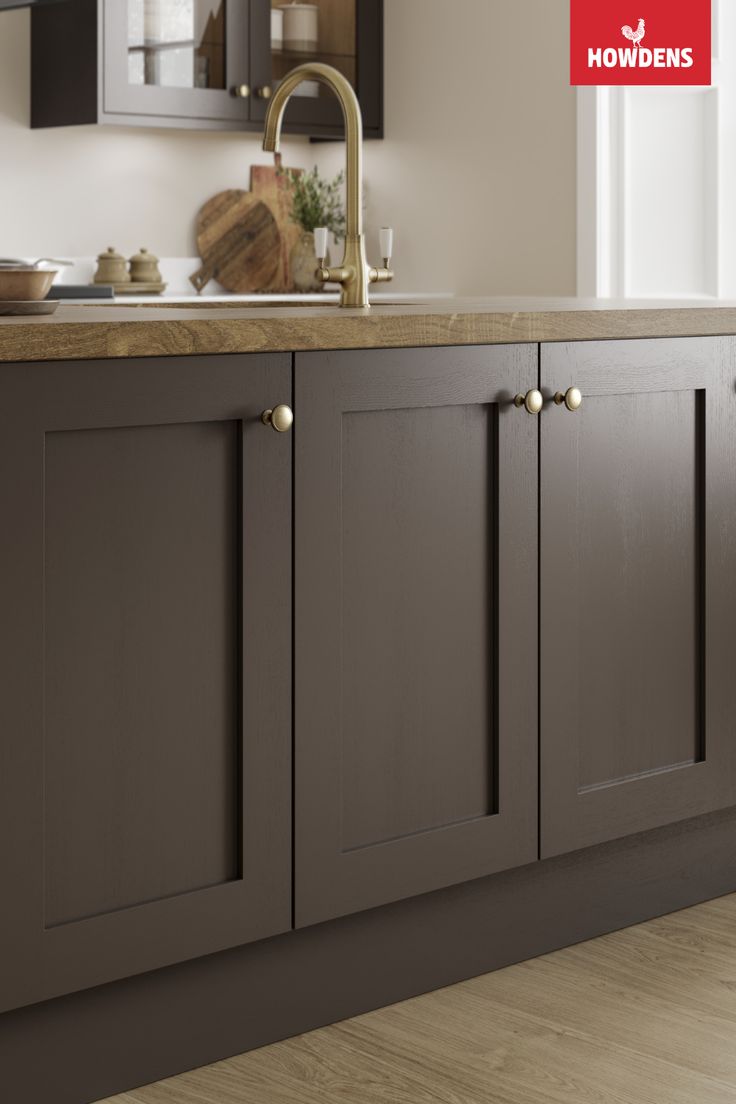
320 31
177 43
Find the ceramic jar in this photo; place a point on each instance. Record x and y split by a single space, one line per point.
301 28
144 268
112 268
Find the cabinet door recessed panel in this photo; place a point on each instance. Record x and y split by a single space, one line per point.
415 623
141 756
636 581
636 578
419 574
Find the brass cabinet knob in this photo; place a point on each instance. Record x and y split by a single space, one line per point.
281 418
265 92
242 91
532 401
572 398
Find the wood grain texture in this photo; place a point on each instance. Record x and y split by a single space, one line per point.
415 623
70 1050
90 332
239 242
419 608
201 472
638 592
271 186
642 1016
141 795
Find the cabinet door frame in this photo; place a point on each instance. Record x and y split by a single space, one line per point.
330 881
322 117
38 962
119 97
573 817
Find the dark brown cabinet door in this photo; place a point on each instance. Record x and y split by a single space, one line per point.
145 650
638 588
415 623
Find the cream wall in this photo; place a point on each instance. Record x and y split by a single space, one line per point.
477 172
77 190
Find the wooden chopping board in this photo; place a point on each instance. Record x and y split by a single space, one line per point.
239 242
272 186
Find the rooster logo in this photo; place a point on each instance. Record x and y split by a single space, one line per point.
637 35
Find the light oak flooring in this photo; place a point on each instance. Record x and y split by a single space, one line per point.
643 1016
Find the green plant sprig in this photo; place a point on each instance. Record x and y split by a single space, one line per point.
317 202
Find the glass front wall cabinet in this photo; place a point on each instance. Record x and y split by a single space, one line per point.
202 63
185 59
347 34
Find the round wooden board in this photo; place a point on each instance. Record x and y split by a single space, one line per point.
239 242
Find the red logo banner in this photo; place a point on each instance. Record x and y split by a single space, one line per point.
649 42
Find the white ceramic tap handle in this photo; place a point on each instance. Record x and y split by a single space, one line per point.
320 242
387 243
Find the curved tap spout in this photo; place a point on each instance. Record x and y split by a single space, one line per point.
353 131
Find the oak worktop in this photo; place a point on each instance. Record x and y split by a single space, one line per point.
81 332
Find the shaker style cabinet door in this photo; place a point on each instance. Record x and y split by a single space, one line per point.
415 623
638 587
145 651
188 61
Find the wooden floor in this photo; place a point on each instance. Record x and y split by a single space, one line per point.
643 1016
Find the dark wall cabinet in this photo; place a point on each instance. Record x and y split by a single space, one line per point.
204 65
512 634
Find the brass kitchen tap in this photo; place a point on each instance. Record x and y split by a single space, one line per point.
355 274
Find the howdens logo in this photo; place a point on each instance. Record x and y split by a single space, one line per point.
642 58
677 50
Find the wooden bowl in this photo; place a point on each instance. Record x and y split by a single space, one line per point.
24 282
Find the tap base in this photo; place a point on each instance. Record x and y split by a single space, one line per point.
354 275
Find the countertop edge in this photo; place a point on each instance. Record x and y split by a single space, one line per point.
182 333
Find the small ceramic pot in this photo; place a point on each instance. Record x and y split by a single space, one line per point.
112 268
303 264
301 27
144 268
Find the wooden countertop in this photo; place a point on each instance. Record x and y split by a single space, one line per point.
85 332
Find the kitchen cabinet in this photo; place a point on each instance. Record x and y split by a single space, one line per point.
511 633
145 764
199 64
638 587
415 623
324 713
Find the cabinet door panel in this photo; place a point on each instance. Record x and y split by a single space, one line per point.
416 512
176 61
145 795
638 532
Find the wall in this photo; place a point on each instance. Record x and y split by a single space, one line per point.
658 183
77 190
477 172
